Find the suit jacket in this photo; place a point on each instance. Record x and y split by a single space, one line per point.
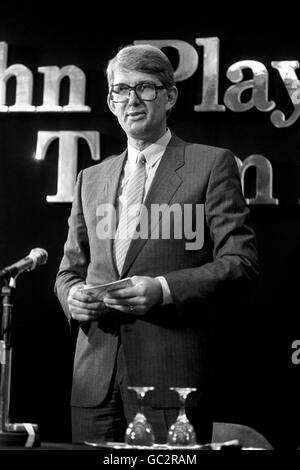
168 346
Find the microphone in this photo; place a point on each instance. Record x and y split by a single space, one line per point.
36 257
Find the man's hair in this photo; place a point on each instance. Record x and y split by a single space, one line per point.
142 58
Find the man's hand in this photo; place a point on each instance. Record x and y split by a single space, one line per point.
83 306
138 299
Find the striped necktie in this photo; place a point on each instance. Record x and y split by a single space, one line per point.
130 211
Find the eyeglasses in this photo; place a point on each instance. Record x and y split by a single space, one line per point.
144 91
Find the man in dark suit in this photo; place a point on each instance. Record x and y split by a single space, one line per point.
153 333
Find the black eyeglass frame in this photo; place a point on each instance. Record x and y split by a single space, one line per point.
130 88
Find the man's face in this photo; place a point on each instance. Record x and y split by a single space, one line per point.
142 120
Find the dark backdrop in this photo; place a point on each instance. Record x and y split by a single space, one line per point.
256 382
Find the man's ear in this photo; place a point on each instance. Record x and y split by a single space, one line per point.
172 97
111 105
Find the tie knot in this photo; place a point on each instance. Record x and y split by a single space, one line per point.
141 160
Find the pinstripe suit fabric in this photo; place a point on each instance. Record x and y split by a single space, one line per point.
168 346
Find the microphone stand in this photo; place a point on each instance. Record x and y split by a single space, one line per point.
11 434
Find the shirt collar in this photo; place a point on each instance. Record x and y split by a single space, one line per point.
153 152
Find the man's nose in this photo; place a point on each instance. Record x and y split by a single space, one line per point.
133 98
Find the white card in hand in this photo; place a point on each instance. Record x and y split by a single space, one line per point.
101 290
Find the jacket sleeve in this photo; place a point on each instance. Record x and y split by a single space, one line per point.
234 261
76 257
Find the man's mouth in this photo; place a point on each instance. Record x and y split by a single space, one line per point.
136 114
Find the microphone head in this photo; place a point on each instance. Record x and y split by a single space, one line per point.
39 256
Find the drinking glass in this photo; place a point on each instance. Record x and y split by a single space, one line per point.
181 432
139 431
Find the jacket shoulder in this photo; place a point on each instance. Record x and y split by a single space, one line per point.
209 150
194 149
104 165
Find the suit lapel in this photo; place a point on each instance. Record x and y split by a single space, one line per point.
108 194
164 185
